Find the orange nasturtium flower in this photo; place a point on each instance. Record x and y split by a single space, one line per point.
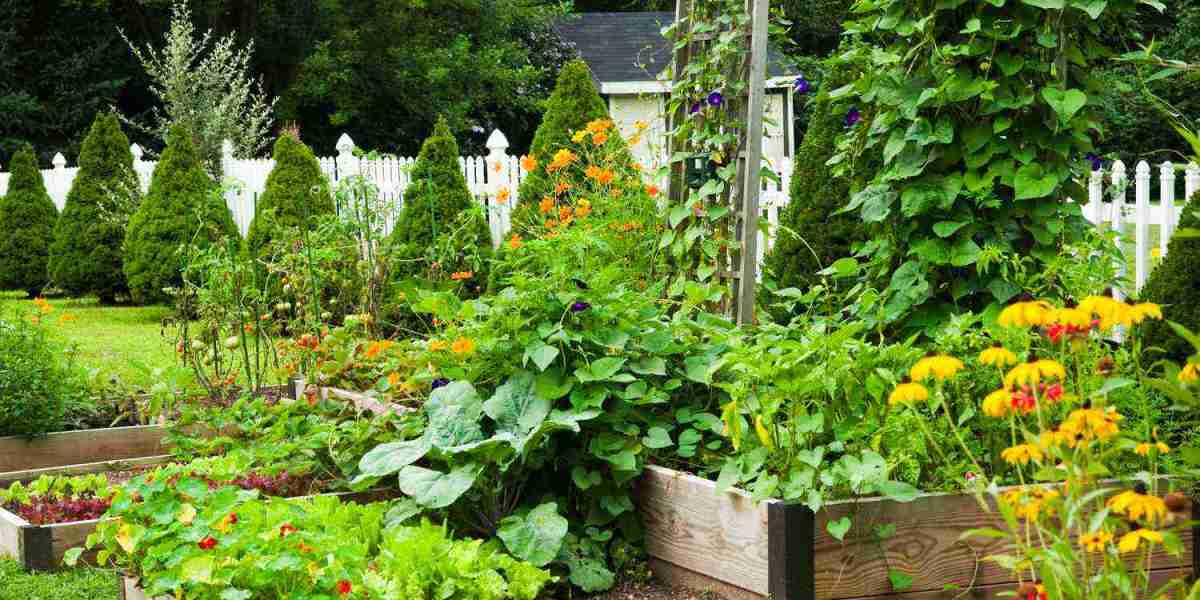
529 163
462 275
599 126
462 346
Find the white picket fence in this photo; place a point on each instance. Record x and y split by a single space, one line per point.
493 180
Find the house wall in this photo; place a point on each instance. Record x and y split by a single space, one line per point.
651 151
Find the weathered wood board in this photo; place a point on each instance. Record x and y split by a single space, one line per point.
80 447
108 466
693 531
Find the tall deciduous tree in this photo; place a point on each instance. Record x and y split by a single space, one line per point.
27 216
85 256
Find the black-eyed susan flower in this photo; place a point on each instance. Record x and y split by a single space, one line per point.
1033 371
1031 313
1095 542
1145 448
1086 424
1138 506
1070 316
1021 454
908 392
1145 310
937 366
1190 373
1131 541
998 356
1100 306
998 403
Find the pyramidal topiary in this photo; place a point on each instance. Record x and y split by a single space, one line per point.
574 103
815 236
27 216
297 192
85 256
433 206
182 207
1175 285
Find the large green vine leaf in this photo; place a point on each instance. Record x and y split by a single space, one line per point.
537 536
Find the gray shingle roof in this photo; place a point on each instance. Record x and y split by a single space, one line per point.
629 46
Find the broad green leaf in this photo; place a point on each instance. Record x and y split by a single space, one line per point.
589 575
1032 182
1065 103
535 537
198 569
541 353
389 458
901 581
454 412
516 406
876 201
899 491
650 365
600 369
1047 4
553 384
965 252
947 228
401 511
435 489
657 438
839 528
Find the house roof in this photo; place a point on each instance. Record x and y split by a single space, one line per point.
628 47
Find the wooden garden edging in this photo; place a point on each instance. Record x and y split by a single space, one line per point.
738 548
77 452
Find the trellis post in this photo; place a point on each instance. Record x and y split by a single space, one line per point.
750 171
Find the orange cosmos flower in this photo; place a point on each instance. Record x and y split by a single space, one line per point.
605 177
592 172
529 163
514 242
599 139
564 212
561 187
503 195
546 205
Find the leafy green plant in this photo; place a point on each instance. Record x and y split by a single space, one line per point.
85 256
39 380
27 215
183 207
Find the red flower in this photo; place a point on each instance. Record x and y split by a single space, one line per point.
1023 400
1053 392
343 588
286 529
1055 332
232 518
208 543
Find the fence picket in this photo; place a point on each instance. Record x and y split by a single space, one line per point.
1118 208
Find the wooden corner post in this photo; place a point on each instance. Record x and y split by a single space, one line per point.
791 559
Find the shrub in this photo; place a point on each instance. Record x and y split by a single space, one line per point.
574 103
183 206
85 255
1175 285
815 236
296 193
39 381
27 217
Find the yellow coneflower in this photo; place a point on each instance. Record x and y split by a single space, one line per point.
939 366
998 356
1033 371
1137 506
1095 542
1190 373
1055 438
1022 454
1070 316
1145 310
1092 423
998 403
1132 540
907 393
1144 448
1025 314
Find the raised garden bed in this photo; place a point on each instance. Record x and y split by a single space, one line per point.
727 543
80 452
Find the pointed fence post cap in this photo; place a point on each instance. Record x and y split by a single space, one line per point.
1167 171
136 151
345 145
1143 169
497 141
59 160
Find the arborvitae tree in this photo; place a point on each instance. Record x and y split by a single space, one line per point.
1175 285
432 209
574 103
296 193
183 207
85 256
814 235
27 216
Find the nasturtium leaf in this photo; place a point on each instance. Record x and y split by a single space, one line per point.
1032 182
516 406
454 412
435 489
198 569
389 458
839 528
656 438
1065 103
535 537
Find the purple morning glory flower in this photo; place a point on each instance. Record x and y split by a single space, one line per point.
853 116
439 382
802 85
715 99
580 307
694 109
1097 164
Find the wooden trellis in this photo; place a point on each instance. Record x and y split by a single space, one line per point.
739 264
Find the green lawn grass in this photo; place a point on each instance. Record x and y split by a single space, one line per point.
72 584
108 338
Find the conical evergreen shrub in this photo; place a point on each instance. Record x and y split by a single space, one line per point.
27 217
815 236
433 210
1175 285
574 103
183 206
297 192
85 256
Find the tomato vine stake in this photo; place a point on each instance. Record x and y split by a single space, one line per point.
718 88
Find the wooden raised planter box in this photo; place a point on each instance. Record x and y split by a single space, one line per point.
729 544
80 452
